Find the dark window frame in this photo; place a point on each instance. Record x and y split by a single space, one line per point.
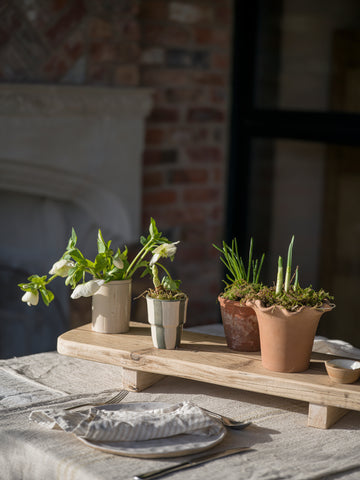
249 122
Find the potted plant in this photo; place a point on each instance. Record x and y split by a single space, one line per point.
288 317
239 320
166 303
111 275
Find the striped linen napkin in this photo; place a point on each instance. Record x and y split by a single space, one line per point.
128 423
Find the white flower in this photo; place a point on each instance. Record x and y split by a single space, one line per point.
118 263
163 250
30 298
87 289
62 268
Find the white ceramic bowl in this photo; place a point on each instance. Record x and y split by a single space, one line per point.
343 370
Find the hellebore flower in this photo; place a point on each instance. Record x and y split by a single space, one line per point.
87 289
31 298
163 250
62 268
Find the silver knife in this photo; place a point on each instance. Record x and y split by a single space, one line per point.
190 463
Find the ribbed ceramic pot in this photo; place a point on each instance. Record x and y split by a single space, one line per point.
240 326
287 338
166 318
111 306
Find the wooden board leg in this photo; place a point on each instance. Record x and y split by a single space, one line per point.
321 416
135 380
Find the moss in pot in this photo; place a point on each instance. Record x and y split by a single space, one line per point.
239 320
288 317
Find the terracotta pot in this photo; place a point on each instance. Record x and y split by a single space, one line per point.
240 326
166 318
286 338
111 307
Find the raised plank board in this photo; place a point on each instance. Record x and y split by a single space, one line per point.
206 358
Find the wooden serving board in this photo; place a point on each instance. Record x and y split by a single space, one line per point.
206 358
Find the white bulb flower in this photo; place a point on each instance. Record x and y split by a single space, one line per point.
162 251
62 268
30 298
87 289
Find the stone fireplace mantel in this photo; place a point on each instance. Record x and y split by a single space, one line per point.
80 144
70 156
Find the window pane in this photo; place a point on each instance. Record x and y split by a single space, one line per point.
309 55
311 190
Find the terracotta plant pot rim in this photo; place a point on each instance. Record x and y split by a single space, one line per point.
287 313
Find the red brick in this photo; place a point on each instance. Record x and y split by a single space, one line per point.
181 94
99 73
205 114
74 46
159 115
218 95
127 75
220 61
57 66
224 12
222 38
162 197
154 9
153 179
154 136
218 175
190 13
99 29
188 175
194 253
127 52
64 25
173 215
165 35
205 154
159 157
162 77
209 78
103 52
181 136
201 195
131 30
203 35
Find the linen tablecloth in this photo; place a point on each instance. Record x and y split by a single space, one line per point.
283 446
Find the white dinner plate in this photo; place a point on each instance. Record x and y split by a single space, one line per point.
175 446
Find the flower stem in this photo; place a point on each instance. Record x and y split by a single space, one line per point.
280 276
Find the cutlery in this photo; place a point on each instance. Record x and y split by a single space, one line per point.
191 463
228 422
112 401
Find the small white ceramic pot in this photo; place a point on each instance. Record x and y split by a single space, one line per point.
166 318
111 306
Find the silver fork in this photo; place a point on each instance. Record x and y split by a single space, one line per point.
228 422
112 401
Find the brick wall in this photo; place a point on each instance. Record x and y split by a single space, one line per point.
180 49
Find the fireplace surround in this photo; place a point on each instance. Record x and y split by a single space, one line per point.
70 157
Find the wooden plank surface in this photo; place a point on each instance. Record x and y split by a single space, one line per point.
206 358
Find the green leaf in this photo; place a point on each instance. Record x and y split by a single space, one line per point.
47 296
101 243
154 232
72 241
100 261
76 255
170 284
